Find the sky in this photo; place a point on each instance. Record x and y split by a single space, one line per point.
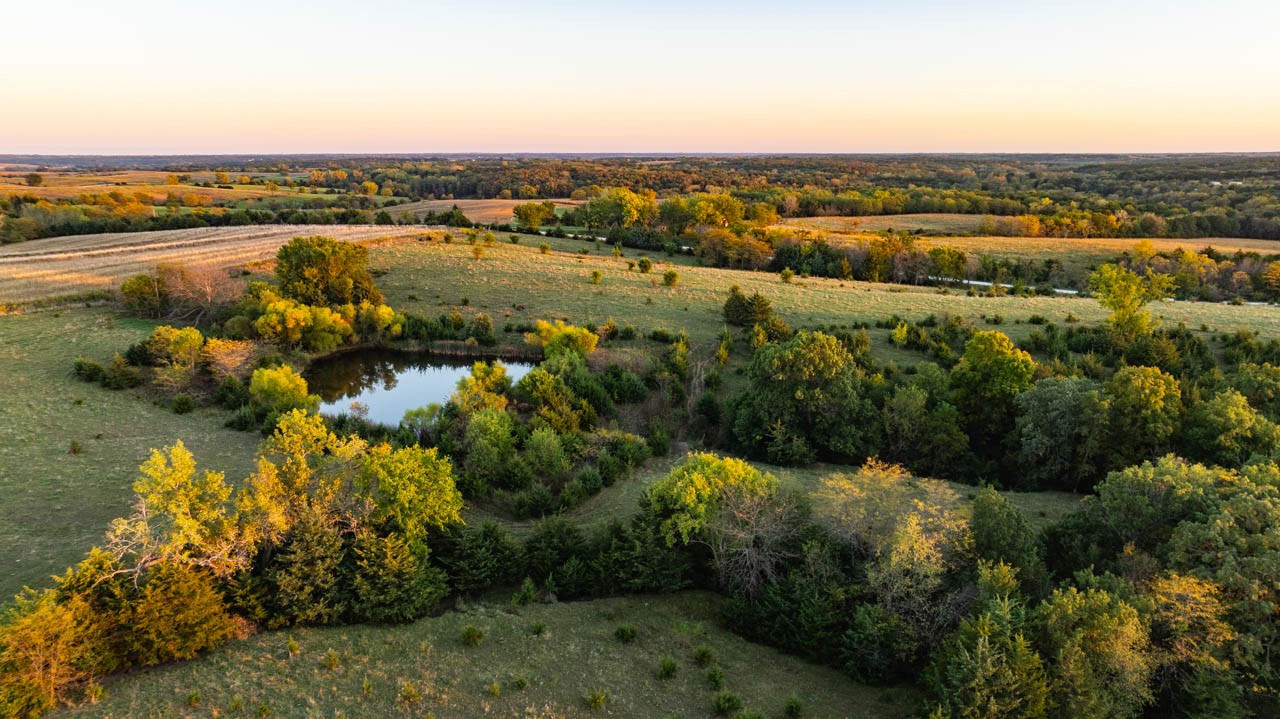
270 76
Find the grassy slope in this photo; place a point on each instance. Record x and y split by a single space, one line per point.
56 505
577 653
516 283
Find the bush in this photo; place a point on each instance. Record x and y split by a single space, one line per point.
231 393
596 277
182 404
589 478
625 633
535 501
89 371
670 278
120 375
667 668
787 275
714 678
645 264
544 248
525 595
471 635
726 703
793 708
704 656
596 698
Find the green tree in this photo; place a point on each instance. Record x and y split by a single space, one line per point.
534 214
1125 293
988 669
34 179
808 398
1060 426
412 491
1225 430
687 497
1001 535
1098 651
986 382
1143 407
323 271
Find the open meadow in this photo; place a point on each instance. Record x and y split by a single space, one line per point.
536 662
485 212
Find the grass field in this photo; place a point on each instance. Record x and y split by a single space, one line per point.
65 185
575 653
481 211
939 223
516 283
58 504
69 265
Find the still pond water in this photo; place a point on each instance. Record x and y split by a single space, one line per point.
390 383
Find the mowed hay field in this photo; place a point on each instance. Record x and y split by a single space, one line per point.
57 504
481 211
940 223
515 283
424 670
83 263
1075 253
65 185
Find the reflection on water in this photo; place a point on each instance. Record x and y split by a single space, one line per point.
389 383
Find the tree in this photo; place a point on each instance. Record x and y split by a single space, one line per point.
988 669
180 517
986 382
34 179
412 491
279 390
1125 292
1143 407
1100 663
323 271
807 399
1001 535
534 214
48 650
752 534
178 613
1060 434
1225 430
687 498
560 337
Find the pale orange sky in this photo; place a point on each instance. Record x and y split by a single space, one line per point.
386 76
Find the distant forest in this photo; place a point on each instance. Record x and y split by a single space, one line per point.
1187 196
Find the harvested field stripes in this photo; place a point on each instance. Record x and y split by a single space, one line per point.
69 265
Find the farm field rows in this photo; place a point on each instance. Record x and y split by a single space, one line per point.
81 263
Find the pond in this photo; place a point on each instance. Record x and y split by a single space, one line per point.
389 383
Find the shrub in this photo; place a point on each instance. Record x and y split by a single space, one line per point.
704 656
525 595
667 668
645 264
535 501
120 375
714 678
182 404
280 389
596 698
231 393
726 703
793 708
590 479
544 248
89 371
670 278
471 635
596 277
787 275
625 633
